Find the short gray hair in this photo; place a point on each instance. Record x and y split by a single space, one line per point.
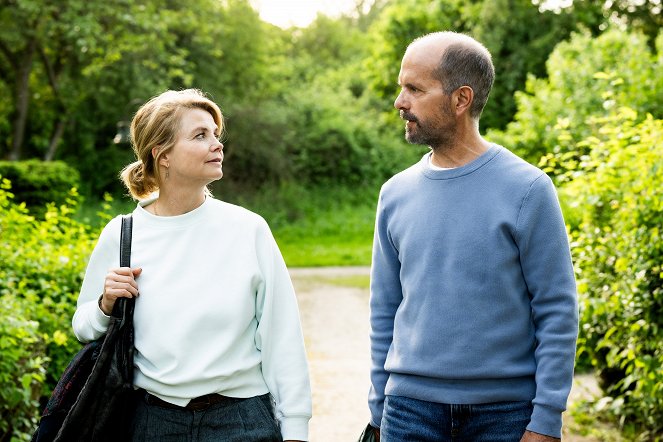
465 62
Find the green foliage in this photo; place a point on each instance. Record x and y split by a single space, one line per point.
399 24
320 46
518 49
321 129
329 236
53 50
587 77
619 255
339 142
37 183
96 214
83 67
319 137
22 368
643 16
327 225
311 134
42 262
150 47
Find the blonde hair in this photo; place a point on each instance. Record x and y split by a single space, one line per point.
156 124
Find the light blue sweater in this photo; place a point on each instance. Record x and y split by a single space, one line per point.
473 297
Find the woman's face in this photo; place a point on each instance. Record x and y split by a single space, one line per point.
196 157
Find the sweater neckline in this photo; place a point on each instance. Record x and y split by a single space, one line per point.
176 221
457 172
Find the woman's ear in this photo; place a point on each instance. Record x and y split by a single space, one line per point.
163 160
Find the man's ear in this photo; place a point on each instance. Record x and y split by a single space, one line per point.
462 99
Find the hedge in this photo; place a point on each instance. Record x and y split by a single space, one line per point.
42 263
618 251
37 183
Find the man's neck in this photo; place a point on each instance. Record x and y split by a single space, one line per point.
459 154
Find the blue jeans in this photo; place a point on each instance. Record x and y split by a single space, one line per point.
412 420
242 420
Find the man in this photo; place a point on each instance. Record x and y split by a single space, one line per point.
473 301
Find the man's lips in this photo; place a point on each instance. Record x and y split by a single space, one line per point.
408 116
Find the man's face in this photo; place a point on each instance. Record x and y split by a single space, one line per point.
422 102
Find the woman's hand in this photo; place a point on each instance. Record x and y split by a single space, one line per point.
119 283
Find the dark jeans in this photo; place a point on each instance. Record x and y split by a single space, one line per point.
242 420
413 420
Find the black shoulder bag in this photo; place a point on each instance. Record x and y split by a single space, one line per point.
93 399
369 434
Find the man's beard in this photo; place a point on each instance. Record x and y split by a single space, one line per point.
423 133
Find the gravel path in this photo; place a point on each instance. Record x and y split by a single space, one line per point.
335 322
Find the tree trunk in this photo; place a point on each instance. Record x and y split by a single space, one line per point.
22 100
55 138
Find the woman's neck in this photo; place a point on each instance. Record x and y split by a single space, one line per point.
173 203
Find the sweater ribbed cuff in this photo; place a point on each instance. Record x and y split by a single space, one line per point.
98 319
294 428
546 421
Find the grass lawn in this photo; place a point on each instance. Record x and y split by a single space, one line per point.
328 238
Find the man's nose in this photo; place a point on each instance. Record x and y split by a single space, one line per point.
400 102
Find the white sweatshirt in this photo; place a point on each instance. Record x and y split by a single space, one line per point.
216 313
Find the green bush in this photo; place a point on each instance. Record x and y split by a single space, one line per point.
320 226
587 77
618 251
42 263
22 369
318 136
37 183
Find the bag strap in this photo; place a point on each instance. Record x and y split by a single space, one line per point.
124 306
125 241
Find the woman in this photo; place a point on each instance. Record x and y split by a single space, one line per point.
217 330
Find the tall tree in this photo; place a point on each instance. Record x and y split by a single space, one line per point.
520 38
47 43
644 16
20 34
54 53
